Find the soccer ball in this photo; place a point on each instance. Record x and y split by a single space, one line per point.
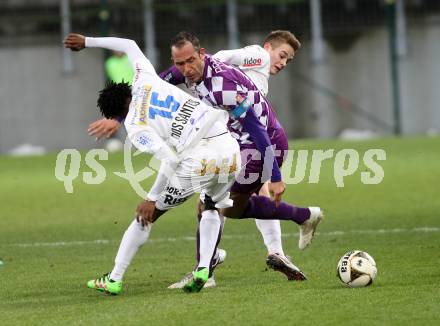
113 145
357 269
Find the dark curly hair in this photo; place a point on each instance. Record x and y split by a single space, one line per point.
113 98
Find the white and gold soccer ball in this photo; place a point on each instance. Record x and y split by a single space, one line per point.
357 269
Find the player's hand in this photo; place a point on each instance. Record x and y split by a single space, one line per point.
145 212
276 189
75 42
103 128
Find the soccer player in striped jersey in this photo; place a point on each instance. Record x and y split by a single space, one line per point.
256 128
258 63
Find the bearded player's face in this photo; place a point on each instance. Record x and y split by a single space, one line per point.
189 61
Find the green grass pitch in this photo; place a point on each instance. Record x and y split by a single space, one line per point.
49 243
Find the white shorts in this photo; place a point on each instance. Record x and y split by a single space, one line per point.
209 169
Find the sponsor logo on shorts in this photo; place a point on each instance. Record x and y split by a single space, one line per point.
211 167
174 196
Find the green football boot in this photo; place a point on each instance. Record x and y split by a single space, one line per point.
196 283
104 284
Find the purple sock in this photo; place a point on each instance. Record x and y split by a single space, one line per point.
263 208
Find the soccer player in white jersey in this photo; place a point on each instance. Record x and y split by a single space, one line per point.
259 62
182 132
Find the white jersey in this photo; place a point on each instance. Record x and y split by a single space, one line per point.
162 118
253 60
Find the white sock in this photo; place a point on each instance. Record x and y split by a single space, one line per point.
271 232
222 226
209 229
134 237
223 221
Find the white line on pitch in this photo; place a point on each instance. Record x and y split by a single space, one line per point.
225 236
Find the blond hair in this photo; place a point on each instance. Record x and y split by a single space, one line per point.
278 37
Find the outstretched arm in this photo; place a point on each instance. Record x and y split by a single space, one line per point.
141 135
77 42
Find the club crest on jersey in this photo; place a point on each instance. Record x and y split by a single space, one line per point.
252 62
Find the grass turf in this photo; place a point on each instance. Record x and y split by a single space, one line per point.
48 244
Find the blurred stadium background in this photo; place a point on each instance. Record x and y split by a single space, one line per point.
364 64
